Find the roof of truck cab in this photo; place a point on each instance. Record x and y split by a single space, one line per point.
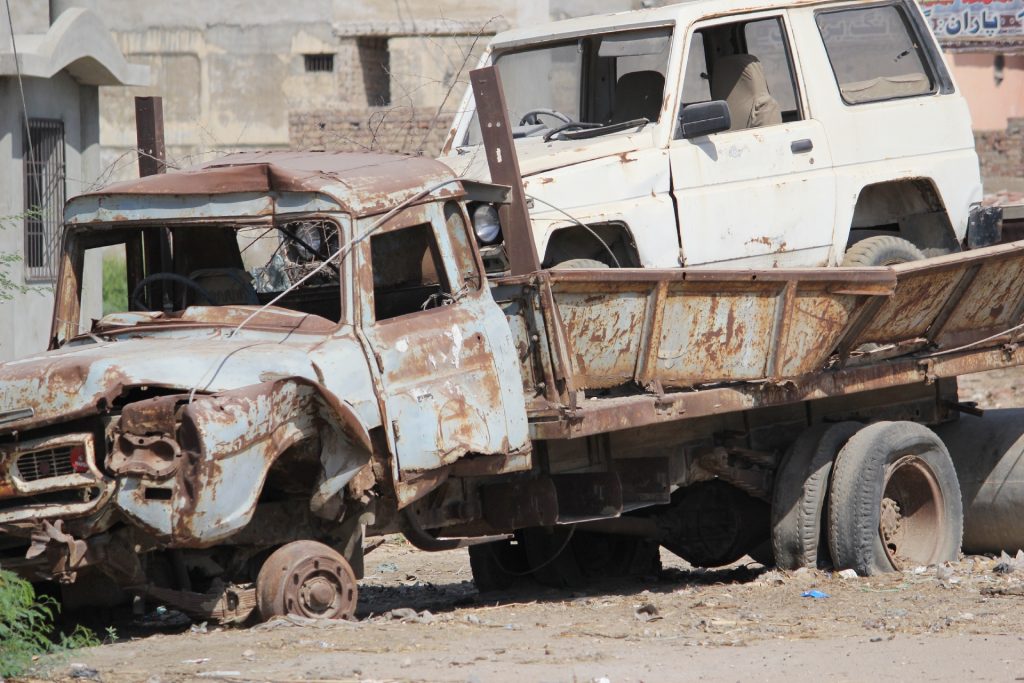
359 183
682 12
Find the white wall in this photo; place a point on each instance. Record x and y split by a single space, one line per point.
25 321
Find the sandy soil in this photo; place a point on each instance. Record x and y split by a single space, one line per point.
744 623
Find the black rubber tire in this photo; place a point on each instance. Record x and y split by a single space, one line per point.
579 264
498 566
881 250
562 562
800 494
889 464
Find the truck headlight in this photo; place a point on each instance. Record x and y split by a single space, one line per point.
486 224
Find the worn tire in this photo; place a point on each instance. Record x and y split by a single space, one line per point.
561 562
881 250
580 264
497 566
894 500
800 493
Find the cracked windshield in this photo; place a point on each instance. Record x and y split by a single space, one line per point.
218 266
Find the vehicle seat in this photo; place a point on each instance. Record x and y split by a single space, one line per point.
225 285
638 95
740 81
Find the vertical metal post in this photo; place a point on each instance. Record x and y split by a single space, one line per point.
149 134
496 130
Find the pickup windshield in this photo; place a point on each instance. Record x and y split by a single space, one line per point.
169 268
588 84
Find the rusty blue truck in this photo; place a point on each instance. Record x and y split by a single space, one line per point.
312 354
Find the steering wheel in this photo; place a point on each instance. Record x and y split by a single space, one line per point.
532 117
172 277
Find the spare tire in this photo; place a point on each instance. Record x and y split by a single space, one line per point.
881 250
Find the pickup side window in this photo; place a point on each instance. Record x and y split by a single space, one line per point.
764 39
749 65
696 87
408 273
875 54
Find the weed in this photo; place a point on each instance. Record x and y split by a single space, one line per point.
26 622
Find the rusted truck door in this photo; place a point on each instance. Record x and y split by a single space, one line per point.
448 370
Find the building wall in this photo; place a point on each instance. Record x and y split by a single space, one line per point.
992 102
27 318
233 76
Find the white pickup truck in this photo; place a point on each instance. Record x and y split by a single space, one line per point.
734 134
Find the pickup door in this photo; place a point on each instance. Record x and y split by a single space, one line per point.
761 194
446 365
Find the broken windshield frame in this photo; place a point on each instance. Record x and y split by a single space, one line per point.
225 264
580 84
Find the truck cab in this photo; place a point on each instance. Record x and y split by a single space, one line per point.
725 134
298 328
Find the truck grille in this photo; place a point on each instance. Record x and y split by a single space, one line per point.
52 462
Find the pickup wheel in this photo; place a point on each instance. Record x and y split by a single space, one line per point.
881 250
800 493
307 579
579 264
895 500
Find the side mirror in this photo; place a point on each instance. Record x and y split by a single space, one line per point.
704 118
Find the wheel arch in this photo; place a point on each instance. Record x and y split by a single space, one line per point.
586 240
229 442
911 208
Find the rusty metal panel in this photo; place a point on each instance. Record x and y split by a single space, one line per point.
603 325
992 304
912 308
953 300
683 328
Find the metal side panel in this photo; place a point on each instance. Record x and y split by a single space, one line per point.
681 328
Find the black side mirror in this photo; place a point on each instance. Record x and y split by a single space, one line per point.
704 118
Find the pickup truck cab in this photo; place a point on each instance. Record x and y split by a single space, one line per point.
733 134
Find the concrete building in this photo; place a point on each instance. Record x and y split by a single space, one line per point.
49 150
258 74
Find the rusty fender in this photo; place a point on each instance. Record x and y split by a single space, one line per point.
199 488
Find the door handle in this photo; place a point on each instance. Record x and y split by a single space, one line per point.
801 146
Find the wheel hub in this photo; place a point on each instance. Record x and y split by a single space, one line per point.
911 517
318 594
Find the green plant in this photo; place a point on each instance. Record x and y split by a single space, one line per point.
115 284
26 625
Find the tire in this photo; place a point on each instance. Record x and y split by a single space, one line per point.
800 493
894 500
557 560
580 264
881 250
497 566
307 579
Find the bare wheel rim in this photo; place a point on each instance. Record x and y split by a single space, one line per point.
912 519
319 588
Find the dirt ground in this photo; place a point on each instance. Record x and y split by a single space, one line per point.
420 618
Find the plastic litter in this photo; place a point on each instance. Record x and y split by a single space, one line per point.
816 594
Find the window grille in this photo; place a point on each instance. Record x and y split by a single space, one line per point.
319 62
45 191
